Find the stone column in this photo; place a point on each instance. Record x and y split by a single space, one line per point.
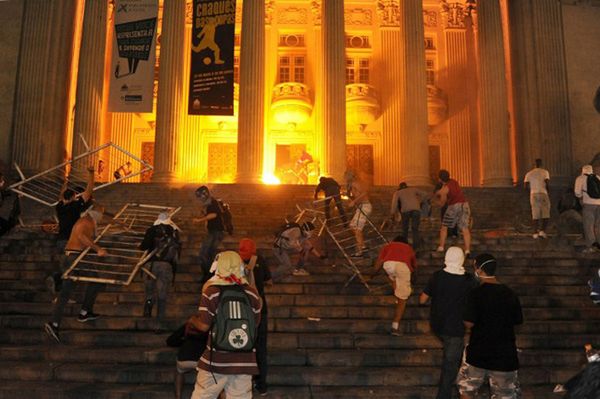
405 142
493 100
542 119
251 130
169 106
334 89
457 64
90 78
42 88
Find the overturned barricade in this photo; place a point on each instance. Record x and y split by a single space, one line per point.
112 164
339 231
121 239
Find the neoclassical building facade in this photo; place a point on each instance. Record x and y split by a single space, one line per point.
395 89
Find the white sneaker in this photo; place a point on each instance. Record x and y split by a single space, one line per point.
542 234
440 249
300 272
536 235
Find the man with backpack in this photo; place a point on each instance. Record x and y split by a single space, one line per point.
215 226
587 188
163 238
290 240
230 310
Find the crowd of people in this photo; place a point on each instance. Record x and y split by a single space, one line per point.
226 341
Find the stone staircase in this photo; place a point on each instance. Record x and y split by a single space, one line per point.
343 350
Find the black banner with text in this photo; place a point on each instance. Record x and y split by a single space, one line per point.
211 73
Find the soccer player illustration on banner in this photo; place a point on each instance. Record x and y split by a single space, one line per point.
207 41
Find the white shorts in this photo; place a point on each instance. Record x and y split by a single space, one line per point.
360 216
399 273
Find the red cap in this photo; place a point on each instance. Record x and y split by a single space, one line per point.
247 248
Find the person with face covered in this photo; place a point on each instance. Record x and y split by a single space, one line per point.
448 289
82 236
492 311
215 229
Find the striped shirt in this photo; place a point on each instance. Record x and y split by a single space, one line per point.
226 362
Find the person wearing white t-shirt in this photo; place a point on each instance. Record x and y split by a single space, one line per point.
537 180
591 210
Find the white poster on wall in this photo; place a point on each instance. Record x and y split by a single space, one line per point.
133 56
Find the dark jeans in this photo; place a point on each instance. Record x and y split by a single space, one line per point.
68 285
453 350
261 353
412 219
338 204
164 278
208 251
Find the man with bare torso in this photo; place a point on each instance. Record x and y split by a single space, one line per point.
82 236
359 194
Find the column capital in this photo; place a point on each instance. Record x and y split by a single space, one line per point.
269 11
315 7
454 14
389 12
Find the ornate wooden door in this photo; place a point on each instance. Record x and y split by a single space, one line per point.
222 162
359 157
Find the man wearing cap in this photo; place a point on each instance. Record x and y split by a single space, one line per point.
259 275
399 261
82 237
448 289
220 370
491 313
164 237
215 229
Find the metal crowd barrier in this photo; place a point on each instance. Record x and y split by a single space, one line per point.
112 163
121 239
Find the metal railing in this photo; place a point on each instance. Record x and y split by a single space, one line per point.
121 239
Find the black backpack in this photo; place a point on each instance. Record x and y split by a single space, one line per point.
226 217
279 233
234 327
167 245
593 186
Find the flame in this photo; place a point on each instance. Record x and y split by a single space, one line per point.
270 178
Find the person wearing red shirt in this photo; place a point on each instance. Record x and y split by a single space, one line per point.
458 213
399 261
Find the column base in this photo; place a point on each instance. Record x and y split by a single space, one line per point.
164 177
417 181
498 182
248 178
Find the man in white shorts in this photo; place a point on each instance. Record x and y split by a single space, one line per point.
399 262
359 191
537 181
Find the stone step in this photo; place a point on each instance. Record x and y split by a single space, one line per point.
280 375
292 312
73 390
274 300
144 336
280 357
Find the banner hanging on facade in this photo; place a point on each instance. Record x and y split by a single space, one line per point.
211 73
133 56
